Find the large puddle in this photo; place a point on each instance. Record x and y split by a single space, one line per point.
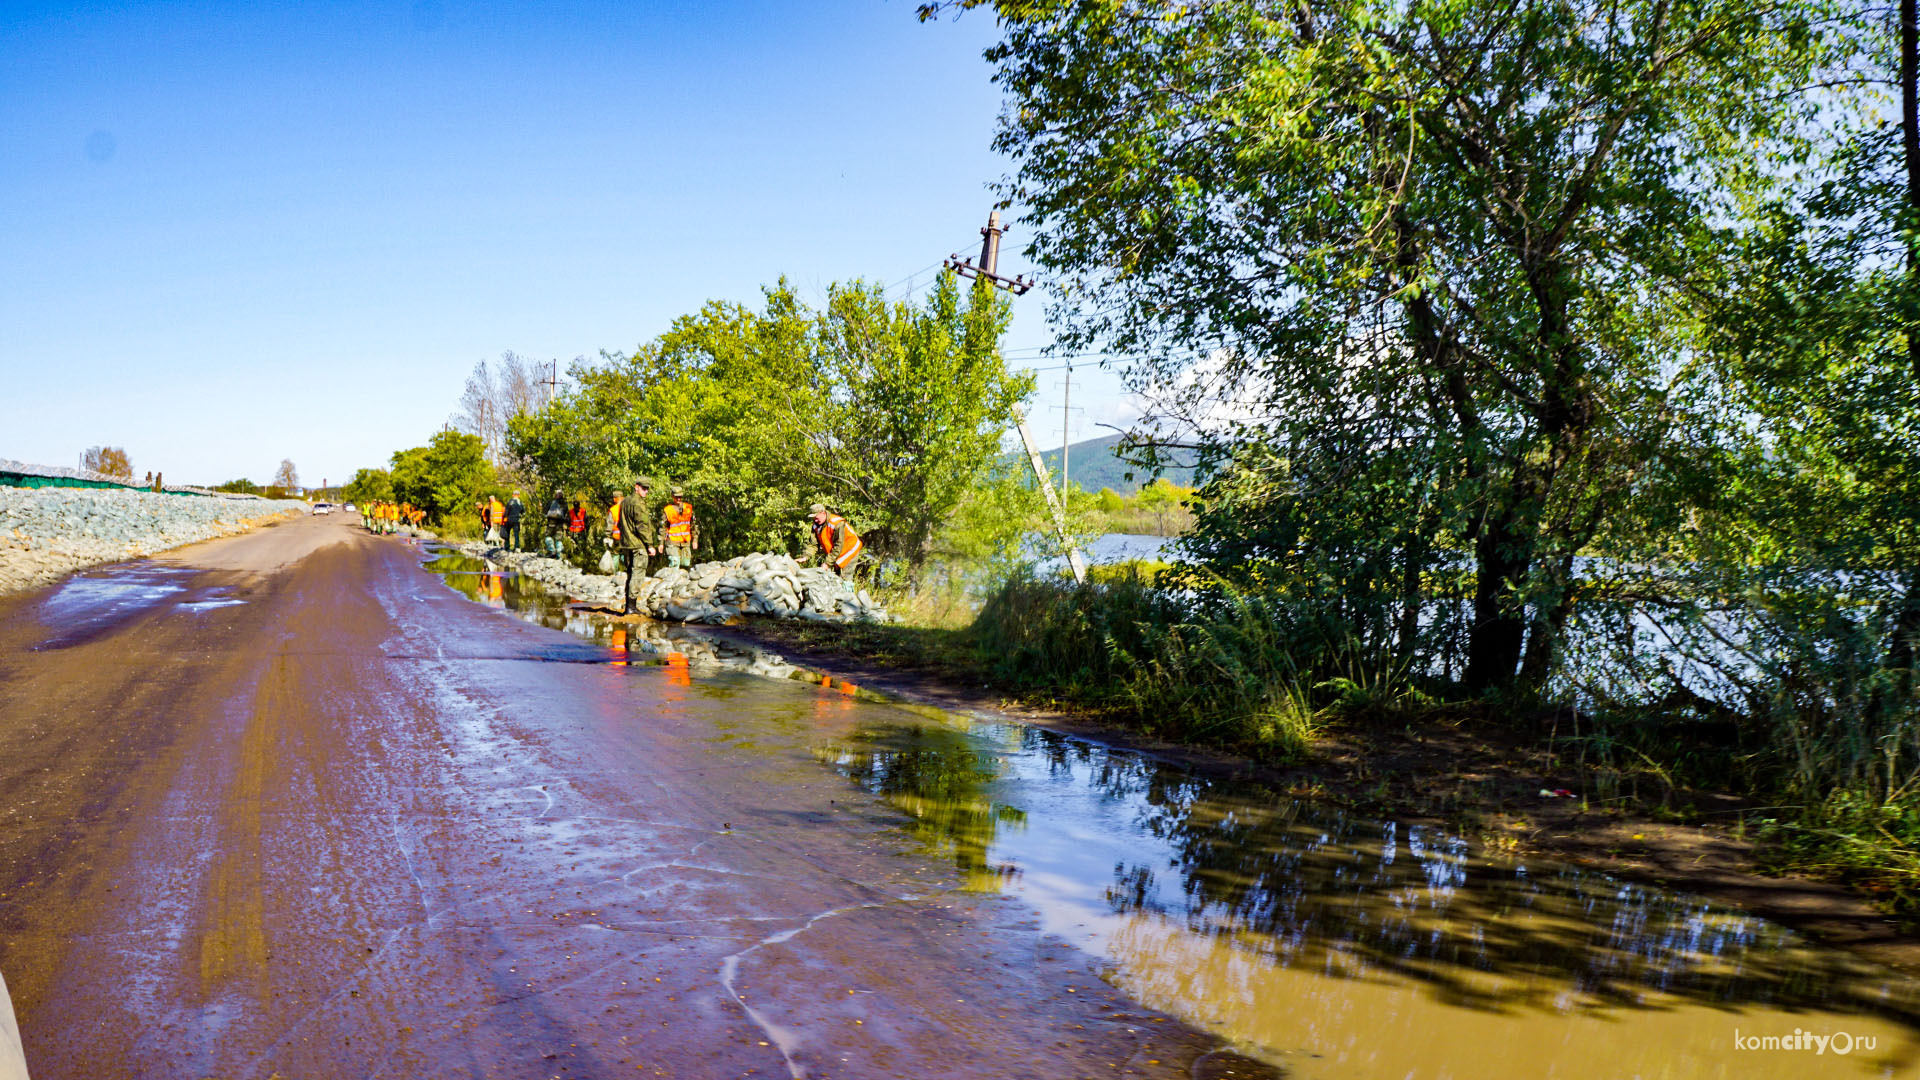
94 601
1329 945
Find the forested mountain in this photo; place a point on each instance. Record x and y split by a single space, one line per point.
1095 466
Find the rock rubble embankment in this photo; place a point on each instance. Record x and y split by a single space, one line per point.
763 583
49 532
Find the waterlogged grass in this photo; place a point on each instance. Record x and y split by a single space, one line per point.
1858 840
1147 571
1222 676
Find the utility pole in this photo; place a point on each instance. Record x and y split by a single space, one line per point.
553 381
1066 420
989 269
989 260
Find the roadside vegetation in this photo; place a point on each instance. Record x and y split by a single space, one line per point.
1555 361
1553 366
108 460
1159 508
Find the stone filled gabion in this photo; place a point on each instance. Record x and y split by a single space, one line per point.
763 583
48 532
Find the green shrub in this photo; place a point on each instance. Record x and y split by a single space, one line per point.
1220 669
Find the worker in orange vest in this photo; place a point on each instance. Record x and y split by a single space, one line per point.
838 542
577 525
679 529
496 519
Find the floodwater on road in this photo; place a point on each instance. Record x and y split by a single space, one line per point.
1321 943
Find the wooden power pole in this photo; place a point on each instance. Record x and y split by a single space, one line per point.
988 268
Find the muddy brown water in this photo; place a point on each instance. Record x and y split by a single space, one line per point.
302 809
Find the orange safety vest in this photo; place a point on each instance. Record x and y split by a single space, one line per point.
613 520
679 517
577 520
849 541
496 512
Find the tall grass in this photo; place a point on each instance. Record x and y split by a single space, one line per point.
1222 668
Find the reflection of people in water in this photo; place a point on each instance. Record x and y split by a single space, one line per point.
841 685
496 585
620 646
678 671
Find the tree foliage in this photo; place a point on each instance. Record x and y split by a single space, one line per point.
888 411
445 477
494 394
368 485
108 460
1435 261
1557 351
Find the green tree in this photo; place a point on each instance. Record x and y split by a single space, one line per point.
1443 251
891 412
916 403
369 485
445 477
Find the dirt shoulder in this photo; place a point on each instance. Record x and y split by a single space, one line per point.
1482 781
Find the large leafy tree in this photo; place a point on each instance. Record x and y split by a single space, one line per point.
1443 255
890 411
368 485
444 477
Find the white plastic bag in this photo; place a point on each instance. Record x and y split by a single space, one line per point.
609 562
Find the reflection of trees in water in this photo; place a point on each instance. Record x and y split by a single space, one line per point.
1311 888
1306 885
939 777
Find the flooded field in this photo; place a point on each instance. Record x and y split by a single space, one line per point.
1323 944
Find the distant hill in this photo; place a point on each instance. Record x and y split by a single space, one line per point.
1094 466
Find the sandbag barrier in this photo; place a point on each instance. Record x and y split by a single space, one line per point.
763 583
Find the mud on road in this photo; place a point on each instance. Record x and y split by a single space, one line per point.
284 805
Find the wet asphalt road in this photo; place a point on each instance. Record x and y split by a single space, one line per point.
286 806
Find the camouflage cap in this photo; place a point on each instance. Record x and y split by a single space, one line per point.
816 508
641 481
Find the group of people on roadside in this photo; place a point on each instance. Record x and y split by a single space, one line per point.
673 535
500 522
634 530
384 517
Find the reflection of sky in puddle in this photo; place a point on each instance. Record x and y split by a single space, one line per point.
107 591
209 605
210 600
92 600
1342 947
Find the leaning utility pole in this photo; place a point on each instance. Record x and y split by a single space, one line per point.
989 269
1066 429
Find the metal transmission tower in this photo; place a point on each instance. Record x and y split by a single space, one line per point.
989 269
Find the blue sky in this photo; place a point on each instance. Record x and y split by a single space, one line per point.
237 233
